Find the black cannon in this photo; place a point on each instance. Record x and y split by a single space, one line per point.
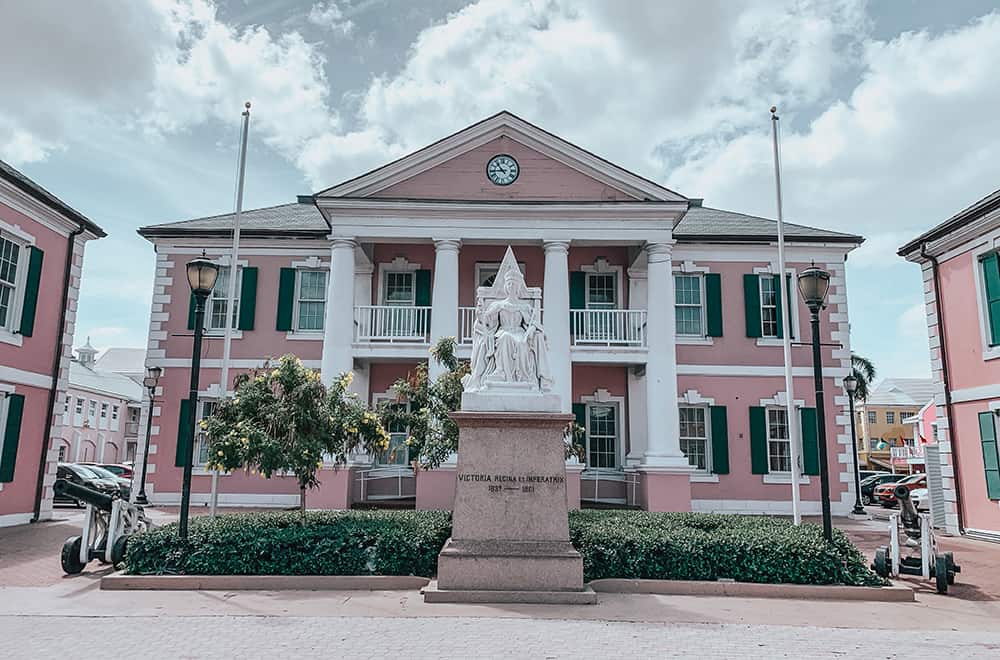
109 523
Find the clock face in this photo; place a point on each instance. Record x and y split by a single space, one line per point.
502 170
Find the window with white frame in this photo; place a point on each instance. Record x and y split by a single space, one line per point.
872 417
78 413
92 413
310 301
206 408
906 414
486 273
62 453
694 436
114 418
602 291
768 307
398 288
66 406
104 415
779 448
602 435
398 452
11 258
215 318
890 417
689 307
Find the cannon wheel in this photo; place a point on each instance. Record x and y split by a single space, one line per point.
941 573
881 564
71 563
118 550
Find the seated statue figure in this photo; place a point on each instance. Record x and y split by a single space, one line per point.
509 347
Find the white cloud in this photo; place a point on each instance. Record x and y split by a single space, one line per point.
329 15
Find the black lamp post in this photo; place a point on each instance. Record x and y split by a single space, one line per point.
851 385
813 284
149 382
201 274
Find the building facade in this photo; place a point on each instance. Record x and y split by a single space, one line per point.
100 413
890 423
661 315
41 255
959 262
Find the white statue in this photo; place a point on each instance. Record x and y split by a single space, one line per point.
509 348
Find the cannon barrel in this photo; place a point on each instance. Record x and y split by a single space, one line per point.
84 494
907 510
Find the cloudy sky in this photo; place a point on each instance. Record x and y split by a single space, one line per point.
130 112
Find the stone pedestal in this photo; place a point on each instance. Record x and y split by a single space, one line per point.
510 530
664 489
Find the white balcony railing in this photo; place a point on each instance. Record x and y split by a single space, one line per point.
466 320
391 323
907 452
608 327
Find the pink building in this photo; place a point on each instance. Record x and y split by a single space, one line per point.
41 256
661 316
100 414
962 294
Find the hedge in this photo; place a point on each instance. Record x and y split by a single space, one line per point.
619 544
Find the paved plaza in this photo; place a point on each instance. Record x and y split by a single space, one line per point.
45 614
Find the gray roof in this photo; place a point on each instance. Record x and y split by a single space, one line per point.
294 218
122 360
103 381
913 392
18 179
967 215
705 223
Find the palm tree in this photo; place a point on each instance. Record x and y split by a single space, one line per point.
864 371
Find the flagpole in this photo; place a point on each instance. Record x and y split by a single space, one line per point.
786 343
233 272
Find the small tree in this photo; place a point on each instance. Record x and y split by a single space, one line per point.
432 434
864 372
283 420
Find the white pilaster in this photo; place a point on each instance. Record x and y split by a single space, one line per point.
662 418
338 333
555 306
444 297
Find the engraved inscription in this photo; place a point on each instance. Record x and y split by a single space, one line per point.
509 483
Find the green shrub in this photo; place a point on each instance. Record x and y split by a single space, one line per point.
614 544
704 546
326 543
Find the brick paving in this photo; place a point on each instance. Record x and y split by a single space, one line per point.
307 637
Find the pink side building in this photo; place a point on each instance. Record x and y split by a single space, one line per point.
661 314
961 274
41 256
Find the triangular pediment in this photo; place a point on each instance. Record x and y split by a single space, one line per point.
550 169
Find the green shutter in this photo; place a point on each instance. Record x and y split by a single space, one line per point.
720 440
751 305
191 306
778 307
34 281
248 298
422 288
810 441
11 435
577 297
791 304
286 299
713 304
758 440
580 413
183 434
991 459
991 278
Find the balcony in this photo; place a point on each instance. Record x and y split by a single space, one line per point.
608 327
908 454
131 429
392 324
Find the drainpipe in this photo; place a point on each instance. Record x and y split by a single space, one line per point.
946 378
56 359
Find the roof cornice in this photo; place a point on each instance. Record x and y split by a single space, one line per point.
960 228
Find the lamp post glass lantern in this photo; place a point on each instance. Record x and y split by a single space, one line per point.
814 283
149 382
851 385
202 274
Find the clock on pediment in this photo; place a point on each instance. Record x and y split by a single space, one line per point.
502 170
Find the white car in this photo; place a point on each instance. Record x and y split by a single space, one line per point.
921 502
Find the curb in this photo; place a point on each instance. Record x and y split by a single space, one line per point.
122 582
896 593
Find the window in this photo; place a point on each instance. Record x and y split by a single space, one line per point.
62 453
890 417
602 291
201 439
779 450
602 436
689 304
78 413
104 415
768 307
399 289
398 452
11 254
215 318
311 300
694 436
990 291
486 273
872 417
92 413
905 414
114 418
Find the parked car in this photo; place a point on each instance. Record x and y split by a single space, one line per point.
119 469
864 474
920 499
124 485
884 493
869 485
83 476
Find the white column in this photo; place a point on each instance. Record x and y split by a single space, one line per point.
338 335
444 297
555 308
662 422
